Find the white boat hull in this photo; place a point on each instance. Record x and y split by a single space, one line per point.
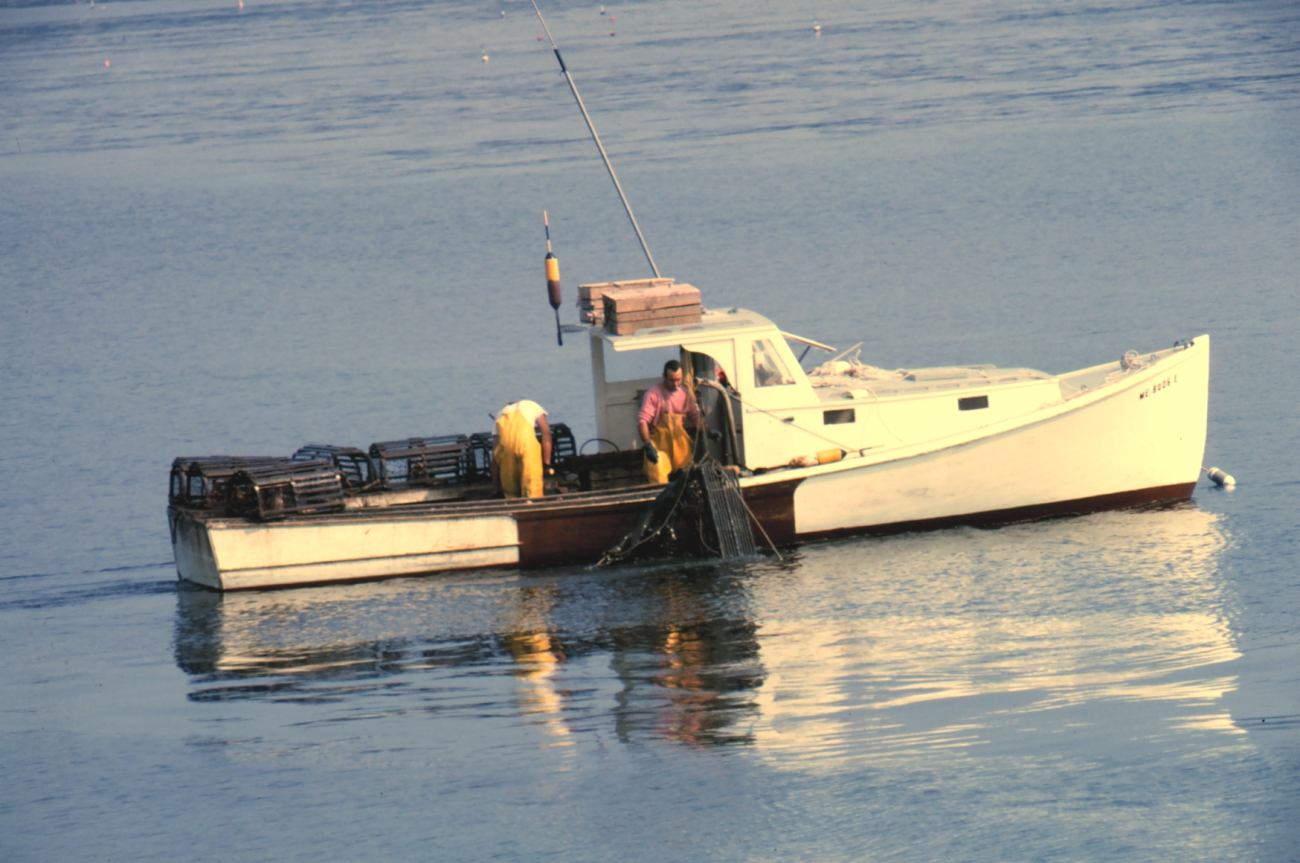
1144 434
236 554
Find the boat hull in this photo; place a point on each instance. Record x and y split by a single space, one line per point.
236 554
1137 440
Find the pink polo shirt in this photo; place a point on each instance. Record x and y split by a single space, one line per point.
658 401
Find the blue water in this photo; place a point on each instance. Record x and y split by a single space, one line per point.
320 222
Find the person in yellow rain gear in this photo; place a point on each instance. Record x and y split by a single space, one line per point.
520 463
668 415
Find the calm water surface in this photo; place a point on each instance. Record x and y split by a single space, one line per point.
243 230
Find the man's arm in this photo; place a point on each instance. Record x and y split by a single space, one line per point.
692 412
649 407
546 439
647 447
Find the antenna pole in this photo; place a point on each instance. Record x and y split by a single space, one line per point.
596 138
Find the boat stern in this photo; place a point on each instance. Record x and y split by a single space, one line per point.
192 548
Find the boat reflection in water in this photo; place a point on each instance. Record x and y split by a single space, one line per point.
668 656
864 649
993 638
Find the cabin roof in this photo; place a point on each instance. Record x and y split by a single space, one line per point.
713 325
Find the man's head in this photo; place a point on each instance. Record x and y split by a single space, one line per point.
672 375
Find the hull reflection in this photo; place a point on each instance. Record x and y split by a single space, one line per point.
660 653
866 649
1028 631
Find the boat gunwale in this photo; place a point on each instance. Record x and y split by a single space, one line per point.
438 509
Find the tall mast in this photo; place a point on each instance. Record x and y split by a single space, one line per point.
596 138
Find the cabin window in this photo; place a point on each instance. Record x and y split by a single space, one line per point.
972 403
769 371
839 417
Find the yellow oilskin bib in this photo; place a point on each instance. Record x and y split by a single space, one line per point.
673 441
518 455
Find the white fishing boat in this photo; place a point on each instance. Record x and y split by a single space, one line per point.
840 449
785 455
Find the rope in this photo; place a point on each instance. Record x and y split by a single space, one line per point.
770 544
618 552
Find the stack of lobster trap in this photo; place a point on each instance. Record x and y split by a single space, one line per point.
320 478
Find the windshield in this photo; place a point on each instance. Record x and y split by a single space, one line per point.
769 371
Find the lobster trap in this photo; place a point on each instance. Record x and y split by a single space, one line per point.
318 477
290 488
563 446
426 461
201 481
354 465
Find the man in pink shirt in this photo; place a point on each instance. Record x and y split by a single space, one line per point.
668 415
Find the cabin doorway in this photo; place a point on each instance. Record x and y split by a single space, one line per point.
720 409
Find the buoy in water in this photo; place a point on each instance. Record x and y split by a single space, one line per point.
1220 478
485 58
